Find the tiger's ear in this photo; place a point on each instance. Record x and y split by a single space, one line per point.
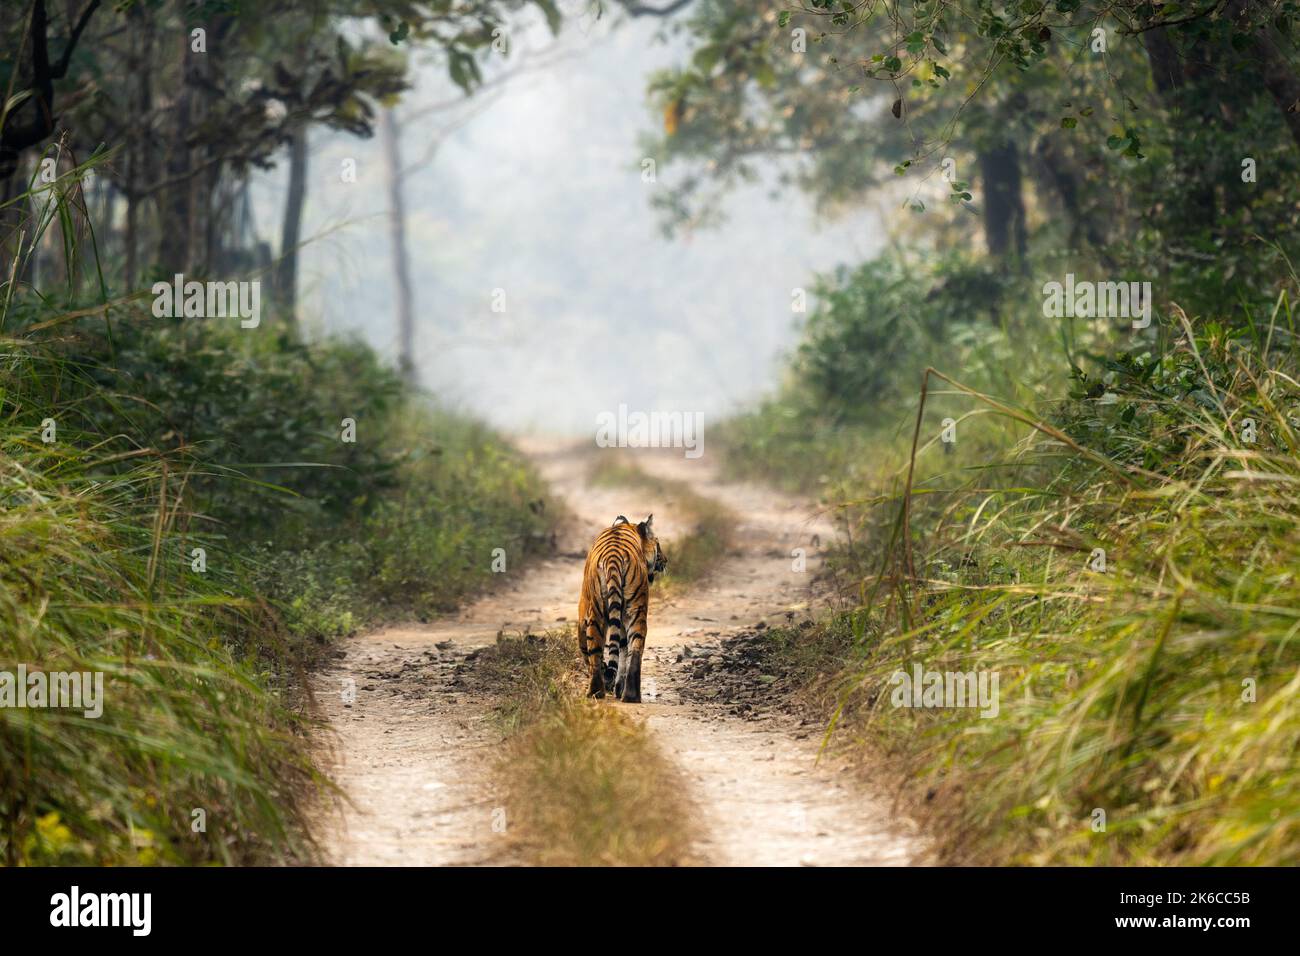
645 528
620 520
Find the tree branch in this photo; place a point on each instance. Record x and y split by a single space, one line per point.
14 138
61 70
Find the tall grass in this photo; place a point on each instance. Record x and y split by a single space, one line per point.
176 435
1148 713
457 492
194 758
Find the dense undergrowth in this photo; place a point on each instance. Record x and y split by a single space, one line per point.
182 514
1117 544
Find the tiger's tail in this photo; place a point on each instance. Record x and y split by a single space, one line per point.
613 587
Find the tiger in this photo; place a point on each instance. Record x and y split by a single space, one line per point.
613 605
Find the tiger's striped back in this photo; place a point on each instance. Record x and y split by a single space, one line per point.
613 606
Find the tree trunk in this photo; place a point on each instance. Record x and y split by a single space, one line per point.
1276 72
175 209
1059 175
137 154
213 213
131 237
17 133
210 81
1176 82
1281 82
391 133
1166 68
1004 206
287 274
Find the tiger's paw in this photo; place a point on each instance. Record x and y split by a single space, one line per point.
629 690
597 687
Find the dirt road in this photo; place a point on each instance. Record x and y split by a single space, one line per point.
413 743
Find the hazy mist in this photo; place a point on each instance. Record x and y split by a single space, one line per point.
540 194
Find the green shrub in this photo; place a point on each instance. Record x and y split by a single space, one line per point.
194 716
1162 691
859 364
176 436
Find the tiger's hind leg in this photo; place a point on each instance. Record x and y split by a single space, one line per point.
629 689
591 643
624 661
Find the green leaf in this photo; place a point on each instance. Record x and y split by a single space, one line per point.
706 58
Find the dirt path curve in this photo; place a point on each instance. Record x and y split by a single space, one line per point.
412 746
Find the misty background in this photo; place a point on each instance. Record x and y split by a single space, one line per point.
536 189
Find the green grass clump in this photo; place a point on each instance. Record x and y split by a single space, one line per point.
204 668
338 534
1162 692
421 546
196 756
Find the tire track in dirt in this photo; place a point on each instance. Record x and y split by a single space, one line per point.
413 750
767 798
